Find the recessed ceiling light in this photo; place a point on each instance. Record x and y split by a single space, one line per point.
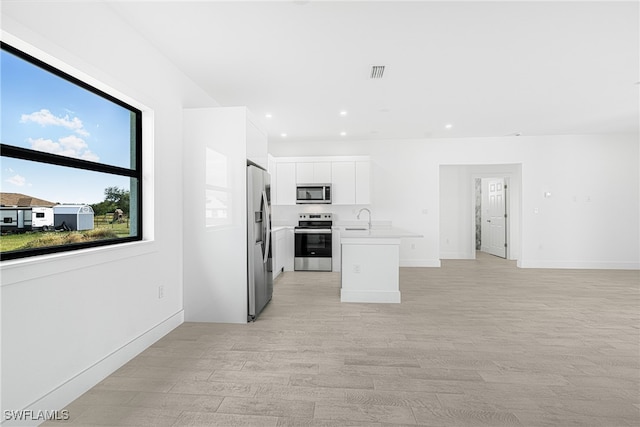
448 126
268 115
343 133
284 135
343 113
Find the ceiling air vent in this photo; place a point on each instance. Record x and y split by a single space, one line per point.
377 71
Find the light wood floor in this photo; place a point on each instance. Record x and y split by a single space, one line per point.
474 343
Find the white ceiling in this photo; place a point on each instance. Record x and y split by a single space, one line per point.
486 68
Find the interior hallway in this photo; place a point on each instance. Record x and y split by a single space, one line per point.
473 343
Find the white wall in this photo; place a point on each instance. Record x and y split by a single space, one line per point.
591 220
68 320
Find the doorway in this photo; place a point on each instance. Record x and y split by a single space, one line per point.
460 231
491 215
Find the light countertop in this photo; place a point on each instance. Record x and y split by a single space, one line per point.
377 233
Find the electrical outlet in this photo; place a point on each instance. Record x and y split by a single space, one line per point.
356 268
160 291
413 246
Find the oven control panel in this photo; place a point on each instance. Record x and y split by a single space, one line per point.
315 216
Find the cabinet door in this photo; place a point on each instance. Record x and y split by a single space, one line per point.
279 251
313 173
274 255
304 173
290 250
363 183
286 184
322 172
273 172
256 145
343 186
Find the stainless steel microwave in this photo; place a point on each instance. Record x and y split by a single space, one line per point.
313 193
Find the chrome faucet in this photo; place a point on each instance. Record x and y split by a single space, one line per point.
365 209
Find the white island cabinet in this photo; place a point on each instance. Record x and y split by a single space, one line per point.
370 264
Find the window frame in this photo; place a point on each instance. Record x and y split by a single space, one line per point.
74 163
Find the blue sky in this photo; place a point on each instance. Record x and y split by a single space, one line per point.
44 112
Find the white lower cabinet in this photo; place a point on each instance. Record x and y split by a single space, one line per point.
282 248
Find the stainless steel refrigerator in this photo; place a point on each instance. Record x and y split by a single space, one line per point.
259 259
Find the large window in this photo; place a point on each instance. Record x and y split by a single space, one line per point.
71 164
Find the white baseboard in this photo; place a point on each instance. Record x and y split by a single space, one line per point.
419 263
74 387
457 255
580 265
370 296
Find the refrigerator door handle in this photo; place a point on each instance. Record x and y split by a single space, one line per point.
267 222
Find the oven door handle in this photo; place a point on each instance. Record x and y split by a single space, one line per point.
312 231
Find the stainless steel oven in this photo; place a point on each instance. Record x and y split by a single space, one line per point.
313 242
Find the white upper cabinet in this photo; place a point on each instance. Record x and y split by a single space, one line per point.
313 172
256 141
349 177
351 183
273 174
363 182
285 187
343 187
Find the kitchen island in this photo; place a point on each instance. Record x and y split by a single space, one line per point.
370 264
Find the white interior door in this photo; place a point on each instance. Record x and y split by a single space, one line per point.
494 212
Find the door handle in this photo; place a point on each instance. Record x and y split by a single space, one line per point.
488 220
267 225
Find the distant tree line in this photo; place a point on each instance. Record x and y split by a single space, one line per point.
114 198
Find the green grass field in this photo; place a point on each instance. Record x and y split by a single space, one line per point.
102 230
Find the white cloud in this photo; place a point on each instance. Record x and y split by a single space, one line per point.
91 156
70 146
74 143
46 145
45 117
17 180
82 132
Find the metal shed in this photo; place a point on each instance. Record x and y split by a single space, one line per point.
76 217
